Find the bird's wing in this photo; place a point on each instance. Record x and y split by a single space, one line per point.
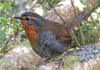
48 41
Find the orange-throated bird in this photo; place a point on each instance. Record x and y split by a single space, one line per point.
47 38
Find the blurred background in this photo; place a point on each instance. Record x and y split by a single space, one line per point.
12 34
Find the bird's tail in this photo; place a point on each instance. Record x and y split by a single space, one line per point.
82 16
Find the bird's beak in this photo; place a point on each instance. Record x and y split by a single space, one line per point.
17 17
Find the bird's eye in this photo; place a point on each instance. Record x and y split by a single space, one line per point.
27 18
30 18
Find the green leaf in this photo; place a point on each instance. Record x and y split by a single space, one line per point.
83 2
97 21
4 6
57 1
3 19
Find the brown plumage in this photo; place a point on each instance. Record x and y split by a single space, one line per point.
48 38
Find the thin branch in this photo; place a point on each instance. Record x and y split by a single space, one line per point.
56 12
82 37
74 36
41 3
9 39
73 7
6 42
11 16
33 5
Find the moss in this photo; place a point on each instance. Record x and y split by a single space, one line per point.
25 43
2 54
24 68
70 61
5 61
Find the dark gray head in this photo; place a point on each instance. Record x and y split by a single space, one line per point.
30 18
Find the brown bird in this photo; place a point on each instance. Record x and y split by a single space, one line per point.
47 38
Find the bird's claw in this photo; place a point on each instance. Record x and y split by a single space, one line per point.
61 61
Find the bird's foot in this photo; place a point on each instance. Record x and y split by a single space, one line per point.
61 61
47 60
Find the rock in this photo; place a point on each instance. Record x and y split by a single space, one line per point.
87 53
20 58
48 66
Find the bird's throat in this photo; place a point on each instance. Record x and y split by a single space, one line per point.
31 33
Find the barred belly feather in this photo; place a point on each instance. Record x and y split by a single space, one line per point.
48 47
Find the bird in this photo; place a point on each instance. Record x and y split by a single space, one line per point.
48 38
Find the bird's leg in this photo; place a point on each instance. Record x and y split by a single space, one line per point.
47 60
61 60
44 62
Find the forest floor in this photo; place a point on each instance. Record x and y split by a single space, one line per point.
23 58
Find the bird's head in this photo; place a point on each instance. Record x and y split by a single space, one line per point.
30 18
